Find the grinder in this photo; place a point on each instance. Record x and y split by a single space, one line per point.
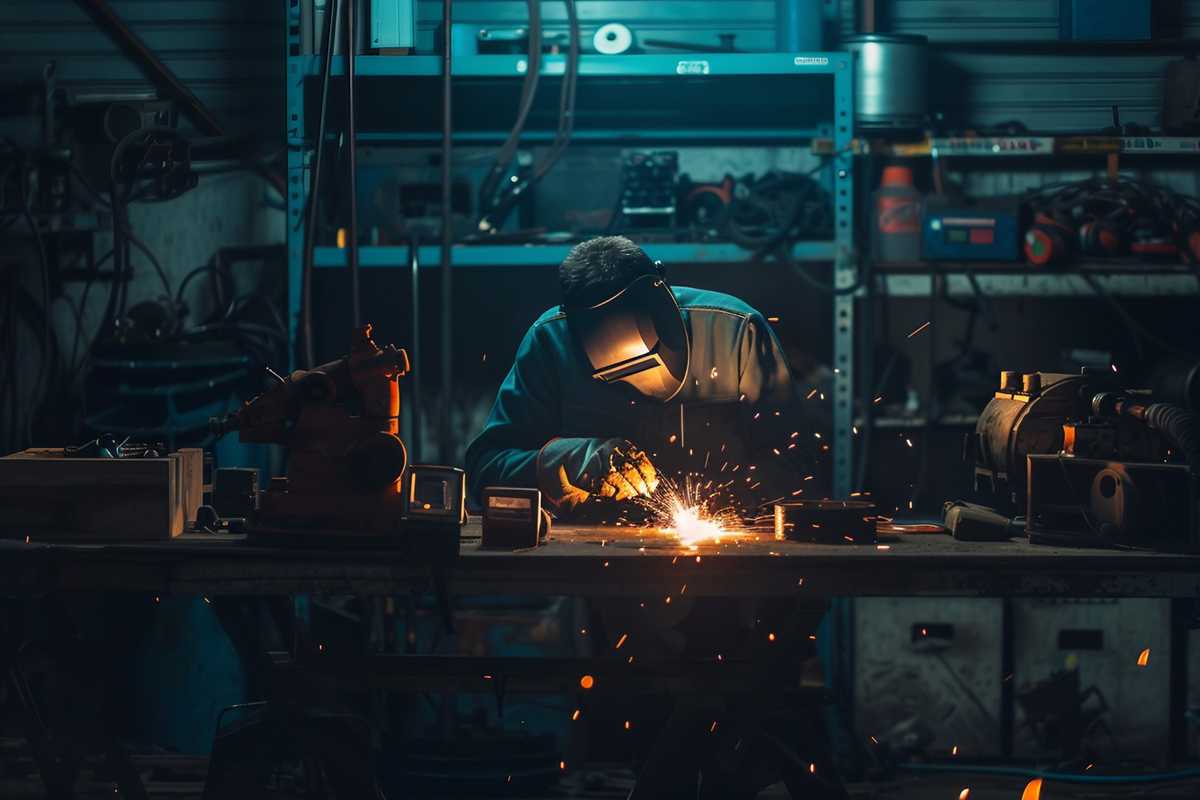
340 422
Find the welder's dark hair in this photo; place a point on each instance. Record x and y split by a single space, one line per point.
599 268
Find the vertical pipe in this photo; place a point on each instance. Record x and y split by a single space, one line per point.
414 379
869 20
787 21
447 241
352 163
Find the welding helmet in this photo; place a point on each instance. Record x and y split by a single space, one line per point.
636 336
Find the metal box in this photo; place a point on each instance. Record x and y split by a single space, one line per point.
1103 20
393 24
928 674
1077 684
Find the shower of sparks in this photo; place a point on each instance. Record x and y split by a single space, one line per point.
687 513
920 328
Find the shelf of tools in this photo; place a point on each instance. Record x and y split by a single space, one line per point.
1163 265
781 99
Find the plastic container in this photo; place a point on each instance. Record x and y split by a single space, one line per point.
896 228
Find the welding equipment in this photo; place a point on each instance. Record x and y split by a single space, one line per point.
637 336
704 206
340 422
513 518
1049 240
648 188
890 80
1088 461
970 230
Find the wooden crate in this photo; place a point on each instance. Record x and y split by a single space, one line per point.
45 495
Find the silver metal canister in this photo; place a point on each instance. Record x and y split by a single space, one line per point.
891 73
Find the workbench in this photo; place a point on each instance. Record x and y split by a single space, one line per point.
590 561
605 561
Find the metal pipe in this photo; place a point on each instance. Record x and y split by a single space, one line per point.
310 222
161 76
869 18
414 372
352 161
447 242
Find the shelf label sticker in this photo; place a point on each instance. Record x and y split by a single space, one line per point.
811 61
692 68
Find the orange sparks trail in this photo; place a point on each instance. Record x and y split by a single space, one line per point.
621 641
920 328
1144 657
1033 790
964 794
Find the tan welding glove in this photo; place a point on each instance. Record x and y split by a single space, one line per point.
571 470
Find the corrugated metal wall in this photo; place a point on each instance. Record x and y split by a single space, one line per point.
228 52
1058 91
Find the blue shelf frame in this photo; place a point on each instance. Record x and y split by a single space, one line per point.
686 66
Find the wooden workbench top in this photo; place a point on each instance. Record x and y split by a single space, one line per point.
608 561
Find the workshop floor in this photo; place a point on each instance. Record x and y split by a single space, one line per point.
182 778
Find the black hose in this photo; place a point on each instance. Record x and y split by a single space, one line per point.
487 188
352 159
310 212
1179 428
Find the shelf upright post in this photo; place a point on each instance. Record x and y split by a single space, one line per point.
297 184
845 273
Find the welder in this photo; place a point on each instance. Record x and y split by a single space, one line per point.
629 382
631 379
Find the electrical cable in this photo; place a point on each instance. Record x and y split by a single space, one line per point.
352 166
310 210
504 156
44 368
494 219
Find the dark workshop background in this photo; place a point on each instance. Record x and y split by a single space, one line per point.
992 63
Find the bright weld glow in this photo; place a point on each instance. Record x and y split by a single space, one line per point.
683 512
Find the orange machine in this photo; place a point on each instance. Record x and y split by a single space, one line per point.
339 422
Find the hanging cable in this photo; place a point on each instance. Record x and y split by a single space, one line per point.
311 207
504 157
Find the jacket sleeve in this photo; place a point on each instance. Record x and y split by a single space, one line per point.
527 414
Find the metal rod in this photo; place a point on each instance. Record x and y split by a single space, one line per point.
310 221
414 373
161 76
869 19
352 165
447 242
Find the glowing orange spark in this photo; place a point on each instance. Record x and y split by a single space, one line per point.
621 641
919 329
878 400
1033 790
954 750
713 728
1144 657
575 716
770 637
671 439
812 769
562 765
626 724
811 395
964 794
587 681
772 319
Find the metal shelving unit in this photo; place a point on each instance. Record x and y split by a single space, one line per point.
836 124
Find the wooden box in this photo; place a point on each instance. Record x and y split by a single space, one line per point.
45 495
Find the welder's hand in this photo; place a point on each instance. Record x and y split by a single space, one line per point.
630 474
573 470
